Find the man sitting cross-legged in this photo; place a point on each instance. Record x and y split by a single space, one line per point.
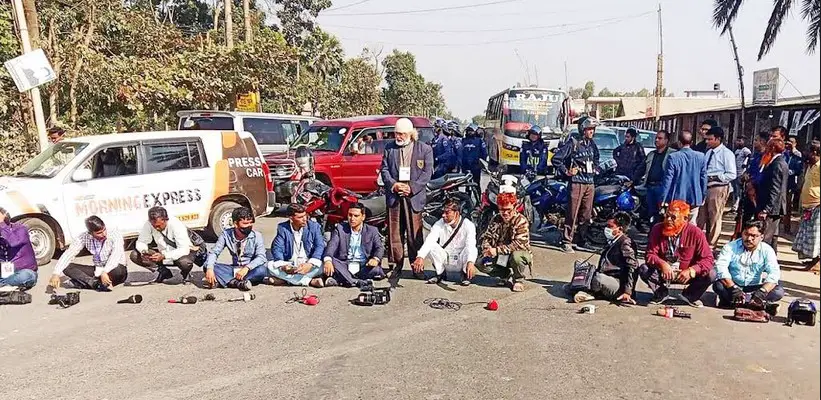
297 251
506 243
247 249
107 255
677 251
740 268
615 277
355 251
451 245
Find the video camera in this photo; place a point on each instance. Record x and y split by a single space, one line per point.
65 300
370 296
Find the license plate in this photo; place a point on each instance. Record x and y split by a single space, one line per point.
509 155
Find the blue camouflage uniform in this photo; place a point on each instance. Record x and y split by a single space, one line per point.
473 149
533 157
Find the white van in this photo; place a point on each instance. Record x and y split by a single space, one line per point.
273 132
199 177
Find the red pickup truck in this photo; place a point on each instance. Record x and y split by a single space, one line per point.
347 152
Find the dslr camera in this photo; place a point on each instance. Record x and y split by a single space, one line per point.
65 300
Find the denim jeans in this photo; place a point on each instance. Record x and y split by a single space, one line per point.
225 273
24 278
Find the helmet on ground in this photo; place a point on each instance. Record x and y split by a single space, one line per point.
587 122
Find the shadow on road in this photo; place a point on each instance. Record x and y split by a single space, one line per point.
554 288
796 290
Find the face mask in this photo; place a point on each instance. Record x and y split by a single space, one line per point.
246 230
608 233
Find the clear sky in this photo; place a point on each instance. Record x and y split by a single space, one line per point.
601 40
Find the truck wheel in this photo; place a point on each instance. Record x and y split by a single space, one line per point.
221 218
43 239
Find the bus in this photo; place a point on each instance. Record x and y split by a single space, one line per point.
511 112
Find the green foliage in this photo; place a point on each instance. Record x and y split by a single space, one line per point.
407 92
298 18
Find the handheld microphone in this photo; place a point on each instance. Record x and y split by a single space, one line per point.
246 297
133 299
184 300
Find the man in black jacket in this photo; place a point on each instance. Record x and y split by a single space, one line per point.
615 277
630 157
771 196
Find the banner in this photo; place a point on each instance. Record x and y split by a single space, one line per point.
765 86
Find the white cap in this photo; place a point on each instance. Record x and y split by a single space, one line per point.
404 125
507 189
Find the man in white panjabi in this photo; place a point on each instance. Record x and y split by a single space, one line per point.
451 246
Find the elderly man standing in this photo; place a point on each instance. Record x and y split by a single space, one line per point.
721 170
506 243
407 166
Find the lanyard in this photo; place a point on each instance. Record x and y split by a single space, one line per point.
672 246
97 249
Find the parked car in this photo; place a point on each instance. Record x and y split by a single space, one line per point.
340 159
199 177
605 138
273 132
645 137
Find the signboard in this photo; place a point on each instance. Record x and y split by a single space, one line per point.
247 102
30 70
765 86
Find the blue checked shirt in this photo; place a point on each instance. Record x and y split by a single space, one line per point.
746 268
249 252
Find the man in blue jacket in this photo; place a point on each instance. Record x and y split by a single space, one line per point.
354 253
578 162
407 166
685 177
473 150
630 157
297 251
247 250
533 155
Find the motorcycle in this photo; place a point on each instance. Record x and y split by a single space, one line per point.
489 208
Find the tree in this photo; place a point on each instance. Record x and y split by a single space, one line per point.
479 119
726 11
575 93
589 88
357 92
297 18
404 84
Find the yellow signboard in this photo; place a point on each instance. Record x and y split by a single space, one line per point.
510 156
247 102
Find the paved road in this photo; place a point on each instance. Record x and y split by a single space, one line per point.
534 347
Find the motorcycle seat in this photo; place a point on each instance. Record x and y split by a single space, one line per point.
434 184
375 205
608 190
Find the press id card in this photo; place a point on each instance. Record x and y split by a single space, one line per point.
502 260
588 167
6 270
453 259
353 267
404 174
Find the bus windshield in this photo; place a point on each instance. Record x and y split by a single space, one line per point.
539 107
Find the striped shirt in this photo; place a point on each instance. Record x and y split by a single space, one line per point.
106 254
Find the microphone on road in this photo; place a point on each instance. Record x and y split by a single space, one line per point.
209 297
246 297
184 300
133 299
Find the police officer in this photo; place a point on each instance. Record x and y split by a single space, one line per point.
473 150
456 139
577 160
533 156
444 152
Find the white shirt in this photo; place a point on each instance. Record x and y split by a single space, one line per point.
441 231
175 230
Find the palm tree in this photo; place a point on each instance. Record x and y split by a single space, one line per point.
725 12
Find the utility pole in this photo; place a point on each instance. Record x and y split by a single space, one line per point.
567 88
740 82
229 24
524 66
659 70
39 117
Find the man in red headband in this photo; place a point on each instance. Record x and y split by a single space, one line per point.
506 243
678 252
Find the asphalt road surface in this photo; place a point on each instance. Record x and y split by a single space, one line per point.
534 347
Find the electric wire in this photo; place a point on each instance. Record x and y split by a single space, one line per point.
420 11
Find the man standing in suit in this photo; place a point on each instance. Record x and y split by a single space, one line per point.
685 177
297 251
771 198
407 166
355 251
